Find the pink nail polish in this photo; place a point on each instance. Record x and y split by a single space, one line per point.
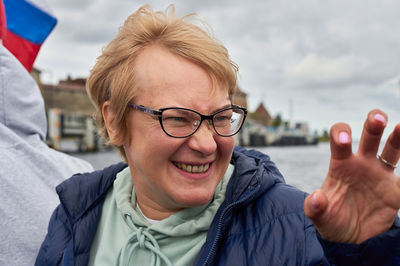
344 137
314 203
380 117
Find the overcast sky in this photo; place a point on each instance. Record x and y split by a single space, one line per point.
315 61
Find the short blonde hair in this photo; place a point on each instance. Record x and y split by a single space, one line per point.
113 76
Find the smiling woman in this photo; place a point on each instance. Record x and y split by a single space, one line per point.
161 188
163 89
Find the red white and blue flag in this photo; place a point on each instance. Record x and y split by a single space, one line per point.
24 26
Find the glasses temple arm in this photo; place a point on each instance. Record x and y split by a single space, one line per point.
144 109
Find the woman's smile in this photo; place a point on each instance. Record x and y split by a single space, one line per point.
193 168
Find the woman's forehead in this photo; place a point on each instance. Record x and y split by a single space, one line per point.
204 101
163 77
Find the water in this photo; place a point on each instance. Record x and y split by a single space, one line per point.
304 167
102 159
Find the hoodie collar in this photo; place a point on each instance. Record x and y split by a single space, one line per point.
21 103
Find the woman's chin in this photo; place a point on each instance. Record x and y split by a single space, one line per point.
194 200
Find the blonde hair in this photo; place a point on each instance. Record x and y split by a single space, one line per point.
113 76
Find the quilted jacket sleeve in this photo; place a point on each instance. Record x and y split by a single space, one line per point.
57 239
383 249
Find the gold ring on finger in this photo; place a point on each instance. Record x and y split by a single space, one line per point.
386 162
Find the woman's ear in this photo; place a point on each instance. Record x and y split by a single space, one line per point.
109 121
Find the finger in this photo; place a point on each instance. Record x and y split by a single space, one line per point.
391 151
315 205
372 133
340 141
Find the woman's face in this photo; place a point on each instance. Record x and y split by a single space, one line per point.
159 162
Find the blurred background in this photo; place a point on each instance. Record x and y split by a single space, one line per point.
316 62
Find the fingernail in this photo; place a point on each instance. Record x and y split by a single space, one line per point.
314 203
344 137
380 117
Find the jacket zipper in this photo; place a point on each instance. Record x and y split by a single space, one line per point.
218 236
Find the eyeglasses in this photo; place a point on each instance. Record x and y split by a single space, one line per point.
182 122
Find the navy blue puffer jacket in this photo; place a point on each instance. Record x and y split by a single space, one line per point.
261 222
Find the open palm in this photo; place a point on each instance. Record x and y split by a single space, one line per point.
360 196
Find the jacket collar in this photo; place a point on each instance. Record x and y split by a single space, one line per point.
253 169
78 193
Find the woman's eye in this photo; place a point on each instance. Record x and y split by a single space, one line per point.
176 119
222 118
179 119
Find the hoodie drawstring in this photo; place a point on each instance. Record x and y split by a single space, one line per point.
141 239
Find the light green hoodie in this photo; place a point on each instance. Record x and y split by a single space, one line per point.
125 237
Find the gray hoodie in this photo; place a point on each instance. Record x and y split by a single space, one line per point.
29 169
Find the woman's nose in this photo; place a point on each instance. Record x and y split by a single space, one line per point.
203 140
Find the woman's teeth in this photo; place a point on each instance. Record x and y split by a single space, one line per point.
193 168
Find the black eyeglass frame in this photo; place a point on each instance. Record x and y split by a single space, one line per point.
159 112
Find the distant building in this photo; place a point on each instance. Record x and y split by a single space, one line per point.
302 127
240 98
262 116
69 114
68 95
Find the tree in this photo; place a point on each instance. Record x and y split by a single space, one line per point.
277 121
325 136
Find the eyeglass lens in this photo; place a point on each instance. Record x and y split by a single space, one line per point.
180 123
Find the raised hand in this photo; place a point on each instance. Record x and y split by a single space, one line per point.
360 196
